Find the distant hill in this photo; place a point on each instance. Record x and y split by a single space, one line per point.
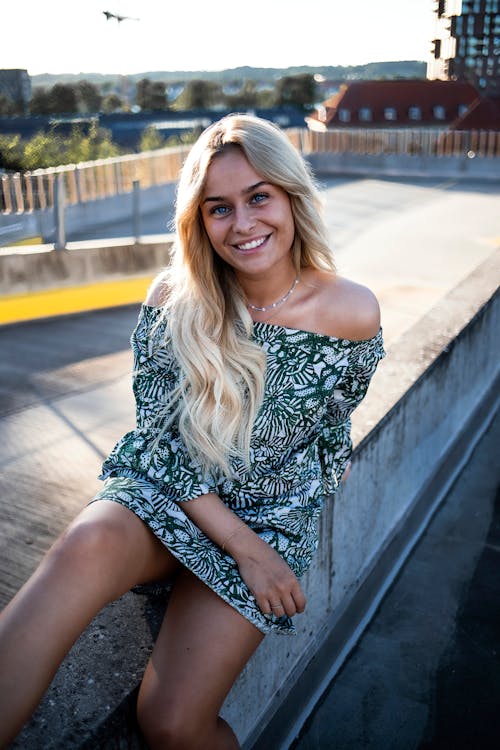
391 70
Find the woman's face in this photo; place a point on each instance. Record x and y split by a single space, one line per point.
248 220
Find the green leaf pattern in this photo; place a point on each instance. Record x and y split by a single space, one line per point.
299 449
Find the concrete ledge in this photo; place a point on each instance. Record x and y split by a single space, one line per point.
428 400
40 267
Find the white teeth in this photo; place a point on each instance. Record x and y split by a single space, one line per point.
251 245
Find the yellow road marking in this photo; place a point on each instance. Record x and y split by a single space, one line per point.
18 307
27 241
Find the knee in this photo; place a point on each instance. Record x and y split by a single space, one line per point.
89 546
168 727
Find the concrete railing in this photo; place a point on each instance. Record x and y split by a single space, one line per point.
430 401
44 269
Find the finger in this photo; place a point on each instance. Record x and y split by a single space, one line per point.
288 605
264 604
298 598
277 609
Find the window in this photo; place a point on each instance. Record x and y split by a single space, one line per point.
414 113
439 112
321 113
365 114
462 109
345 115
390 113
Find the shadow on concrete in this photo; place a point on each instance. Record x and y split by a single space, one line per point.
53 357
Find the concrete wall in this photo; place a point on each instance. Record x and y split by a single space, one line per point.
429 402
32 269
78 217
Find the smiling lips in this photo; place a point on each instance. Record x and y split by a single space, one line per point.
252 244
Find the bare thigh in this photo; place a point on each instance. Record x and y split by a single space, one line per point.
128 547
203 645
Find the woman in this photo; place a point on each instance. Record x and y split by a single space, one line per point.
250 354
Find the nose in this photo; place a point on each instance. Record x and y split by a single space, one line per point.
244 219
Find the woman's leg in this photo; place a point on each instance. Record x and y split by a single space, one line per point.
103 553
202 647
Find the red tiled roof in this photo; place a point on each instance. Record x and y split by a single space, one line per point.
399 95
483 114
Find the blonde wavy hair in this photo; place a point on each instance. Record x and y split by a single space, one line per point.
208 323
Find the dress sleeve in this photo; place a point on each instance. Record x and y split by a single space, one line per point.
150 451
353 385
335 440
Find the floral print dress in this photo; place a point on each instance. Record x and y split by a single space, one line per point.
300 447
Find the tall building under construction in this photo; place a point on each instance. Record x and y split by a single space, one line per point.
466 44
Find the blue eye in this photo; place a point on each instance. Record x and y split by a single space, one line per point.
219 210
259 197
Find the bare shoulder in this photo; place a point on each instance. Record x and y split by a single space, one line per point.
158 291
349 310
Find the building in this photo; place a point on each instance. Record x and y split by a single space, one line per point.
401 103
15 85
466 44
483 114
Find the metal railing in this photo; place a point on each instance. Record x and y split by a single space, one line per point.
88 181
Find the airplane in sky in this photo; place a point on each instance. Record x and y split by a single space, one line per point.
118 18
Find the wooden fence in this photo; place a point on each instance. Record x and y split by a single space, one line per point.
28 191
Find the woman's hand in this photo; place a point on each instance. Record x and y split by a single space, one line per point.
276 588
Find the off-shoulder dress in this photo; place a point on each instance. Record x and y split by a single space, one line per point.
299 449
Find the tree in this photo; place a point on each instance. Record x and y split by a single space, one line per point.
89 96
298 90
63 99
52 149
151 95
41 151
112 103
7 106
151 139
247 96
199 94
40 101
11 152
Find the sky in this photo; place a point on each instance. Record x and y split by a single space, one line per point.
63 36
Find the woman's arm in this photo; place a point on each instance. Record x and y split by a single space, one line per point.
266 574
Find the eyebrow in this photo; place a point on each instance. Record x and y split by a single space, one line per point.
220 198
